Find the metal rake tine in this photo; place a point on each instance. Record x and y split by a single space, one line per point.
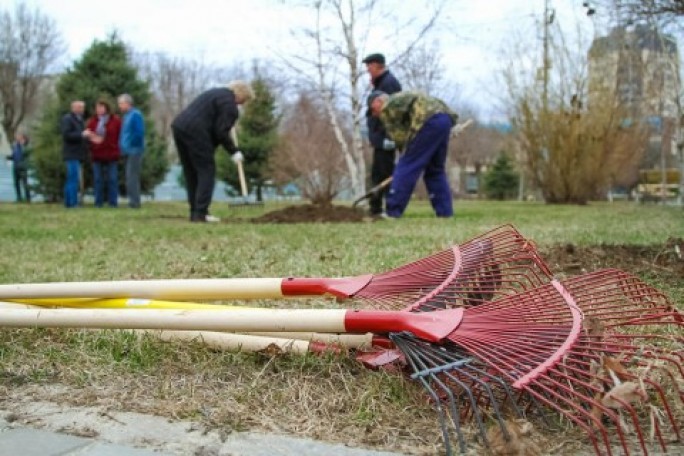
446 365
443 366
412 360
455 414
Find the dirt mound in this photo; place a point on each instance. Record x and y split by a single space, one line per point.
666 260
309 213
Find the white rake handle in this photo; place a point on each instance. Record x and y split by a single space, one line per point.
190 289
254 320
290 342
430 326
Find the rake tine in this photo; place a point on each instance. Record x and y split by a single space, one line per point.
412 359
429 362
462 369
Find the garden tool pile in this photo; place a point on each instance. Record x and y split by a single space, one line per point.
502 348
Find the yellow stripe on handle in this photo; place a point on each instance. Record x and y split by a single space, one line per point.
122 303
183 290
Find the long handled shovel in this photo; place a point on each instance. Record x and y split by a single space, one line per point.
378 188
241 176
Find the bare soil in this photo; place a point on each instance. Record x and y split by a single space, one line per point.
665 263
309 213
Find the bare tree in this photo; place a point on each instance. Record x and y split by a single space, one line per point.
334 66
174 82
475 148
640 9
29 44
308 153
422 70
574 140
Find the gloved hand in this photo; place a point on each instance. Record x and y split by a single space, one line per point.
237 157
388 144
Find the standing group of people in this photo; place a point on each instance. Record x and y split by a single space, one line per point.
419 127
106 137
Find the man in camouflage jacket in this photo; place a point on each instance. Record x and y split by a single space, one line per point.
420 126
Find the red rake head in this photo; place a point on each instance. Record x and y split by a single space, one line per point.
498 263
606 376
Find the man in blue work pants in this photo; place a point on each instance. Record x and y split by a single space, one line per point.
420 125
426 153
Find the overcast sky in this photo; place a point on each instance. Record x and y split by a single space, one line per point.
471 33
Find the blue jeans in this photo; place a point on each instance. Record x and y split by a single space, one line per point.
426 153
133 167
111 176
73 178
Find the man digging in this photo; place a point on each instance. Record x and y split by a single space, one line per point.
420 126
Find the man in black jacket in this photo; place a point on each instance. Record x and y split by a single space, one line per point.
74 151
383 149
204 125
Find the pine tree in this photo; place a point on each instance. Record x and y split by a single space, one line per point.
257 137
501 181
104 70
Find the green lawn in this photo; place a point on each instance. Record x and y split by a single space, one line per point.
48 243
330 398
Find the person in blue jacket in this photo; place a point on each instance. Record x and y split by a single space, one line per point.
132 146
19 157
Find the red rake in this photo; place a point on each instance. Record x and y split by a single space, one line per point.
607 375
512 353
498 263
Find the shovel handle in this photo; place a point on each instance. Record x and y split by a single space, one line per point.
241 175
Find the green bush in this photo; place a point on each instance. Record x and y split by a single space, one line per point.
501 181
103 70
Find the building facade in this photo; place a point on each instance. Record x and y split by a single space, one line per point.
641 67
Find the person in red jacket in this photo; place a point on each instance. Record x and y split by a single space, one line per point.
102 131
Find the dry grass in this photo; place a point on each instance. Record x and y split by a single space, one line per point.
330 398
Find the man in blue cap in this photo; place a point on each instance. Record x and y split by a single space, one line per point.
384 149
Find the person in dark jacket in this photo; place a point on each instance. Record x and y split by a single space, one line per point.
19 157
197 131
102 130
73 151
383 148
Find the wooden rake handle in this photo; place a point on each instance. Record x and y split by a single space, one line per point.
190 289
254 341
430 326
